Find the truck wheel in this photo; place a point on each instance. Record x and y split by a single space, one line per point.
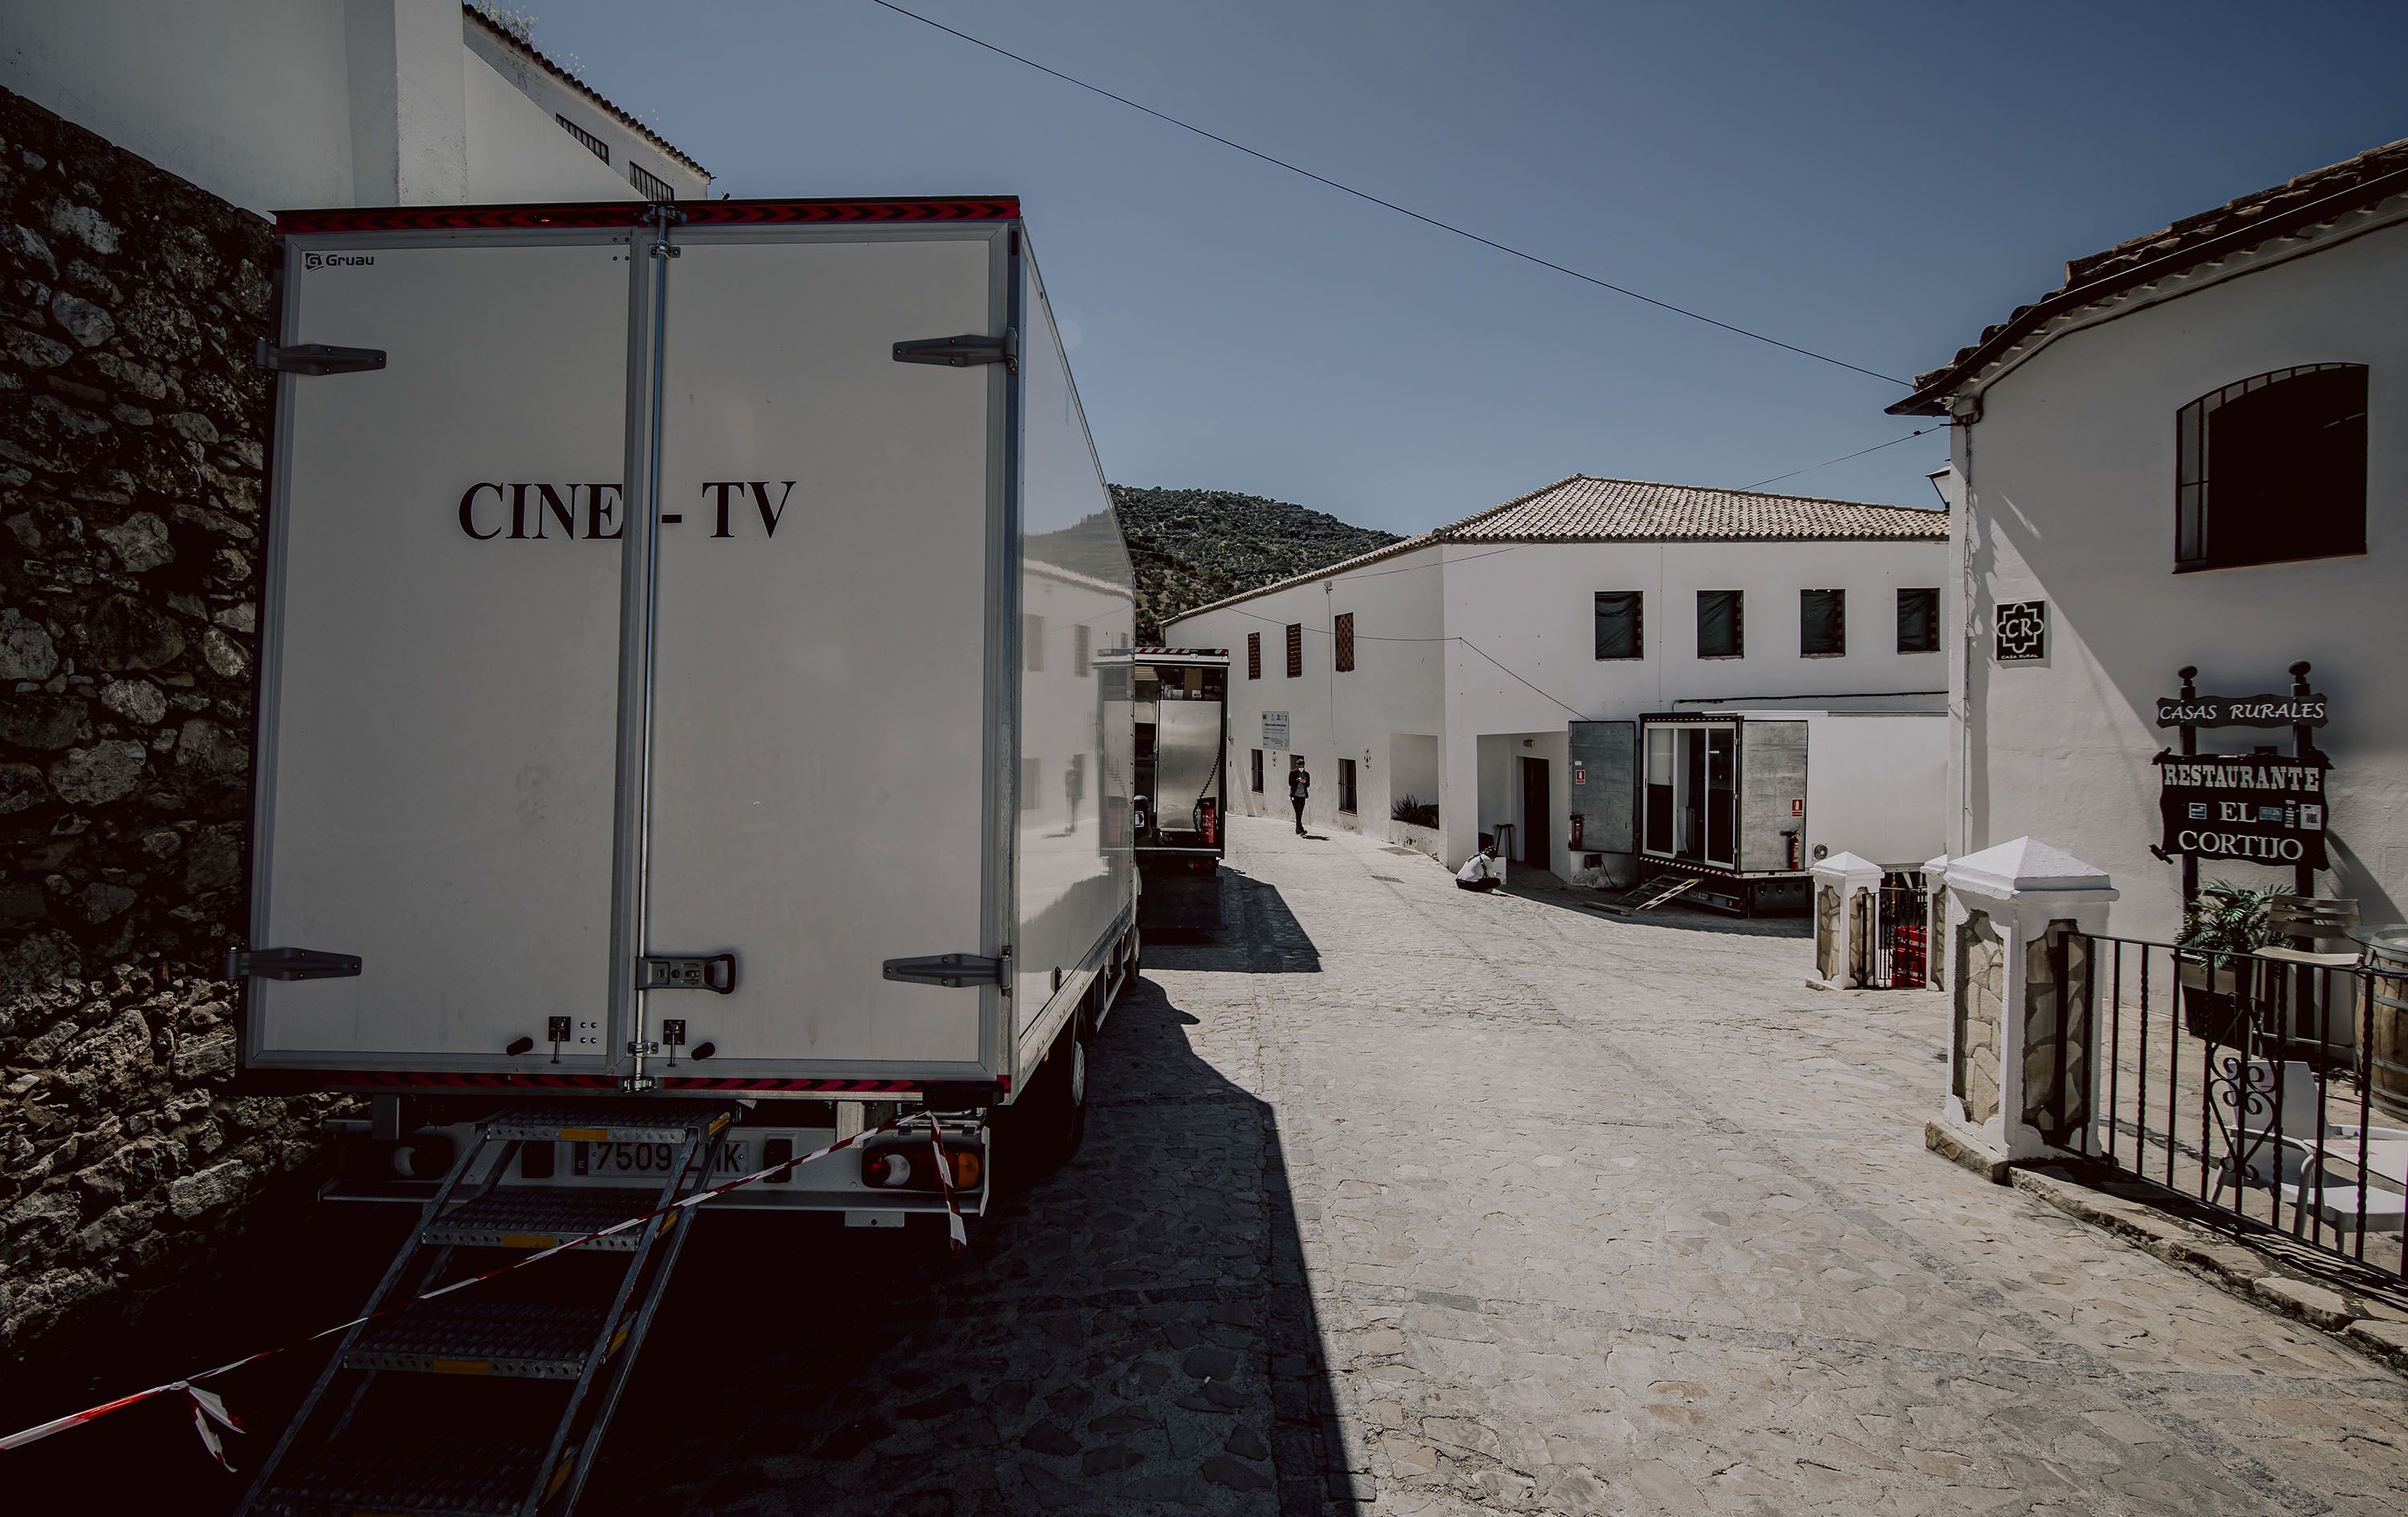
1044 1128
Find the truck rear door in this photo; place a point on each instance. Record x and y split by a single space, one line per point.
440 650
829 651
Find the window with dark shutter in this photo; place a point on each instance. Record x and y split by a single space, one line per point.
1079 649
1618 632
1720 631
1032 642
1296 650
1253 655
2272 469
1346 786
1344 638
1256 775
1918 621
1822 622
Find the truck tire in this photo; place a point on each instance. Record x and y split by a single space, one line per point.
1044 1128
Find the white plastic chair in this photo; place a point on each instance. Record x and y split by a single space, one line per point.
2293 1180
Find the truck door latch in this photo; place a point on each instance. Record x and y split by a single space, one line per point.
953 970
715 973
316 358
961 351
289 964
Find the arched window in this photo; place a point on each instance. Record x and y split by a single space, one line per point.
2272 468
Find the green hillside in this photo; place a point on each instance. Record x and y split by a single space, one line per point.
1193 546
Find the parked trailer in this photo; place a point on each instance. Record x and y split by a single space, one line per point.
1746 802
676 707
1180 711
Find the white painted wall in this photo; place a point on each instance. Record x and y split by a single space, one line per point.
1471 643
276 104
519 153
1395 686
1877 785
2069 474
1532 611
549 96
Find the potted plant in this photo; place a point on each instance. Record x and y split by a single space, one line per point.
2220 930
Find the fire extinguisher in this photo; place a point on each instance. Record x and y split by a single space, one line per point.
1577 819
1794 859
1207 819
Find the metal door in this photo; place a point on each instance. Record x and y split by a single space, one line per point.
439 660
831 579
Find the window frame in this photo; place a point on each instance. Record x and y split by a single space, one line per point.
1256 770
1296 650
1341 638
1253 655
1638 625
1738 623
1933 623
1349 798
2194 509
1839 621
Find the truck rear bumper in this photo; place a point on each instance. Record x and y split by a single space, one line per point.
369 1168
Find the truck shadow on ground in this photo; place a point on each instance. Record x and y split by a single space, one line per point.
1130 1334
1259 935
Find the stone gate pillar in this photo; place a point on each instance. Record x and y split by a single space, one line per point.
2021 1056
1937 965
1845 887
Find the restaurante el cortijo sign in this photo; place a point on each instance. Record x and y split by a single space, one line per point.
2263 807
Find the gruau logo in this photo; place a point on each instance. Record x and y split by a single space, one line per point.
536 511
338 260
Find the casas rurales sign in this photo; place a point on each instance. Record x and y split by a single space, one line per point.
2262 808
2242 711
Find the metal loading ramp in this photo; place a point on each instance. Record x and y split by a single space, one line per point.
491 1401
1649 896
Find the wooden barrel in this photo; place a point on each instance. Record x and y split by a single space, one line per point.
2387 1030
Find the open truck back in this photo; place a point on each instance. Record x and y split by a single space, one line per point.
676 700
1179 712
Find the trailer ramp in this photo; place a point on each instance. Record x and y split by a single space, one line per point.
1647 896
491 1402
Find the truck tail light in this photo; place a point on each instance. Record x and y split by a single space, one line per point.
906 1165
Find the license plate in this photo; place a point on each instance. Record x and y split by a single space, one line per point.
654 1160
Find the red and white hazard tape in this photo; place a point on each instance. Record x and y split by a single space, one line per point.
209 1409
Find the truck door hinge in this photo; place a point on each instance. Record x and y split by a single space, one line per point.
316 358
965 350
953 970
715 973
289 964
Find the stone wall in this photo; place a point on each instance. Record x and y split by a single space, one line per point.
1980 1012
132 423
2057 1034
1827 937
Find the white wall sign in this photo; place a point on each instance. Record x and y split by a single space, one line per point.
2023 631
1275 730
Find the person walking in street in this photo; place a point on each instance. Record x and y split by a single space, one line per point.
1299 785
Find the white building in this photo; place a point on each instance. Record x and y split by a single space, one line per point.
276 104
2193 453
1451 667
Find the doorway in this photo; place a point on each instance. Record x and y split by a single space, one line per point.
1536 844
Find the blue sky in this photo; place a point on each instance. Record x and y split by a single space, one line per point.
1875 181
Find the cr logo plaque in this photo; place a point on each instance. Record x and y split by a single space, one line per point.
2021 631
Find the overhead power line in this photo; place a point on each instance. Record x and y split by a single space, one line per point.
1390 205
1842 458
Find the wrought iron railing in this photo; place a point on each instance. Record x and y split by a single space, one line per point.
2269 1090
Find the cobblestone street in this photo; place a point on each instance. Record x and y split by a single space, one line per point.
1433 1202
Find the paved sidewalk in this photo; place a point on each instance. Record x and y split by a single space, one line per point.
1619 1216
1403 1199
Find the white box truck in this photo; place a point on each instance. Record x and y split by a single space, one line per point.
678 709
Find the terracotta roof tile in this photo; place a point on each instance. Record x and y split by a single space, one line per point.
2163 251
1586 508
